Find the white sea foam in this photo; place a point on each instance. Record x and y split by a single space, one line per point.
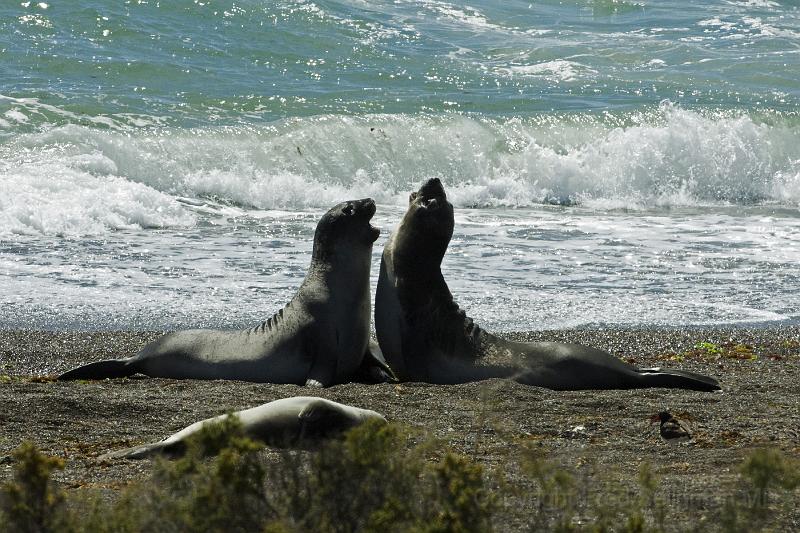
462 15
27 110
754 3
557 70
747 26
78 179
53 192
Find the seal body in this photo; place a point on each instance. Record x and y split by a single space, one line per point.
320 337
299 422
425 336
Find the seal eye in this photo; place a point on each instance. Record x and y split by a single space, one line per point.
348 210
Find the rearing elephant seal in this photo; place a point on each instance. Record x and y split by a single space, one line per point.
299 422
426 337
321 337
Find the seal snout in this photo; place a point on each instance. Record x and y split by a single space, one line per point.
432 189
431 195
367 205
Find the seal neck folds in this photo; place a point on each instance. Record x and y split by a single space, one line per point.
342 251
416 319
426 337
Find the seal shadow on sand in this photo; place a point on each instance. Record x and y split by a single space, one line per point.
425 336
320 338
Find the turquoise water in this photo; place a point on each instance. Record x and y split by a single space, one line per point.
639 162
213 62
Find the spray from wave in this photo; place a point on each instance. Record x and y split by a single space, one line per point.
78 179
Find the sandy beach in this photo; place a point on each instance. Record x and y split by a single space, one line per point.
601 435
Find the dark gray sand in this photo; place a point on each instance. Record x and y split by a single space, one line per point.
488 421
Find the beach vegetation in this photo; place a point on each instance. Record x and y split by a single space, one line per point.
708 348
716 351
32 502
14 378
374 479
791 344
768 481
565 503
377 478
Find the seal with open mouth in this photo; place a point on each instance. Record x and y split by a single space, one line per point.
426 337
321 337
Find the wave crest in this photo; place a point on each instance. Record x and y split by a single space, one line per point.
83 179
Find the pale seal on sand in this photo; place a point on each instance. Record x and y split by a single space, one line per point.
320 338
426 337
300 422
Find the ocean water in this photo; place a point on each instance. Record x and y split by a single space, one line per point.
612 162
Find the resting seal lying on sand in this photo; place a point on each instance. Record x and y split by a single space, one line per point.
300 422
426 337
320 338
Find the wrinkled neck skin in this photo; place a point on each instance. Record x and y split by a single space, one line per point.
336 295
418 246
341 277
428 338
436 325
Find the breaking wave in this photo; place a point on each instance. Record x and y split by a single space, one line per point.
81 179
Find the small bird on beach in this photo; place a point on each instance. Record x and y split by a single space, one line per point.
672 431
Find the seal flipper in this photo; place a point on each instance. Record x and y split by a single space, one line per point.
374 368
319 375
678 379
111 368
146 450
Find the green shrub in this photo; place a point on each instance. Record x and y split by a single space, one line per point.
375 479
763 473
556 492
726 350
30 502
464 503
365 482
191 493
768 468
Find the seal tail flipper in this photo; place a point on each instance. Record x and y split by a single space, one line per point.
145 450
112 368
678 379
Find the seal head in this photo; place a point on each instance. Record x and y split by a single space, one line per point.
421 239
343 227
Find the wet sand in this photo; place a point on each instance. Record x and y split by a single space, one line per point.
488 421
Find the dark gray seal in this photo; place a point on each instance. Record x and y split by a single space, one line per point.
321 337
426 337
300 422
